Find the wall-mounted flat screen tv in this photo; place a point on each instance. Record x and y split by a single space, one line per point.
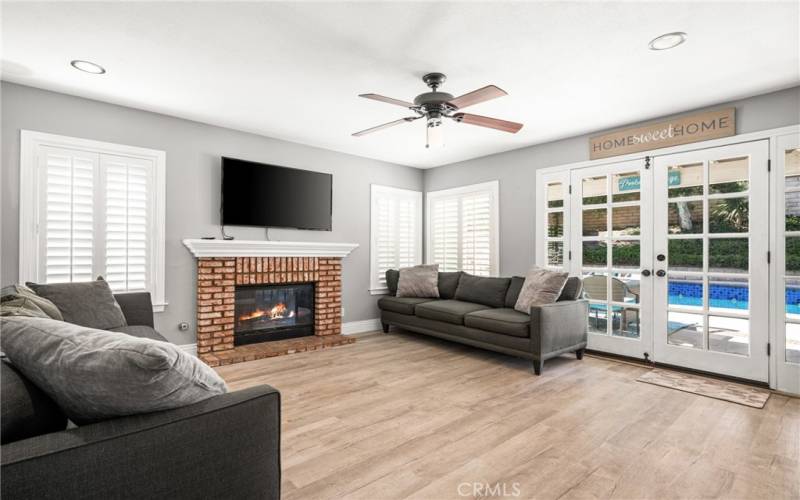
257 194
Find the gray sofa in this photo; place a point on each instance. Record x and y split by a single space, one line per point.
227 446
480 312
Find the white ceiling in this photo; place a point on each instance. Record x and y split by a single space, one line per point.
293 70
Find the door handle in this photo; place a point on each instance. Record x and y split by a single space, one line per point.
646 273
661 257
661 273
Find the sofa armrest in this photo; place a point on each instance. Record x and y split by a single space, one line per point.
137 308
558 327
227 446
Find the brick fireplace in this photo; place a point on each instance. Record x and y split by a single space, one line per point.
221 277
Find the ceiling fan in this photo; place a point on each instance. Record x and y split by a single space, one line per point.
435 105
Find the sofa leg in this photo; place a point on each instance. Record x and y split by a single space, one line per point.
538 364
385 327
579 354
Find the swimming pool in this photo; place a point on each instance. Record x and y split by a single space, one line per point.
724 296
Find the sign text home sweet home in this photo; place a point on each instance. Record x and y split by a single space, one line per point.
700 127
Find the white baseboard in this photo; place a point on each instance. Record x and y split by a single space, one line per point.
189 348
367 325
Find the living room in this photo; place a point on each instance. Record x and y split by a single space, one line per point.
409 249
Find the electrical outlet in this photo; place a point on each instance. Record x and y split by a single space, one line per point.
183 326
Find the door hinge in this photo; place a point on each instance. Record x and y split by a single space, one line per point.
769 349
570 189
646 162
769 165
569 255
769 256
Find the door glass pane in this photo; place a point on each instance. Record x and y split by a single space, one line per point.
729 294
728 255
595 222
555 253
625 221
594 254
598 318
686 255
793 342
685 217
594 190
625 321
730 335
555 224
793 299
793 256
555 195
684 329
626 187
729 215
685 180
792 168
793 209
793 315
625 254
685 291
595 286
729 175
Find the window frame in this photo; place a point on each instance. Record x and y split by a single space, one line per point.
376 190
492 187
30 203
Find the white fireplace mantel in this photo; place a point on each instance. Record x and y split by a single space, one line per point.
260 248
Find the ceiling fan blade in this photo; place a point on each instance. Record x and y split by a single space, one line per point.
386 125
397 102
485 121
486 93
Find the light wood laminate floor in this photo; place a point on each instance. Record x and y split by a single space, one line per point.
407 416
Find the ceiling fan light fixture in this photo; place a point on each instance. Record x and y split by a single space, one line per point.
434 137
667 41
87 67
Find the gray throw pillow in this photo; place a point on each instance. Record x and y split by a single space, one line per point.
392 276
87 303
21 291
94 374
419 281
541 287
448 284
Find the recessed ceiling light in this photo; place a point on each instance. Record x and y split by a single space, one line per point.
667 41
88 67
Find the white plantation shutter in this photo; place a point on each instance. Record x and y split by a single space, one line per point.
396 232
462 229
126 222
69 180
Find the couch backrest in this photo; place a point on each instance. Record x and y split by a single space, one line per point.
481 290
26 410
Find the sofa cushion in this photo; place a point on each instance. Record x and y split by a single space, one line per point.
95 375
506 321
479 290
513 291
449 311
87 303
402 305
419 281
392 277
141 331
572 290
448 284
26 410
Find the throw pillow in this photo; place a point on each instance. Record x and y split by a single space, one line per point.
573 289
448 283
16 291
89 303
18 305
541 287
95 374
392 275
419 281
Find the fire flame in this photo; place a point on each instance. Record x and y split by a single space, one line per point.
276 312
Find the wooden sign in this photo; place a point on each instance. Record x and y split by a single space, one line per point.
699 127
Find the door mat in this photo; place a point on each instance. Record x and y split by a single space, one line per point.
709 387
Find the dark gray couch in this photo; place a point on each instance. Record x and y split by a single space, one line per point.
227 446
480 312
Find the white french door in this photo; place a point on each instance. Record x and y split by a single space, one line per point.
711 271
611 249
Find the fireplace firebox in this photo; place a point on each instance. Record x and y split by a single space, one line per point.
273 312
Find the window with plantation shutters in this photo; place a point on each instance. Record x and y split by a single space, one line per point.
88 212
396 232
462 229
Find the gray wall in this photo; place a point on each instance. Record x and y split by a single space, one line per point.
193 175
516 171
